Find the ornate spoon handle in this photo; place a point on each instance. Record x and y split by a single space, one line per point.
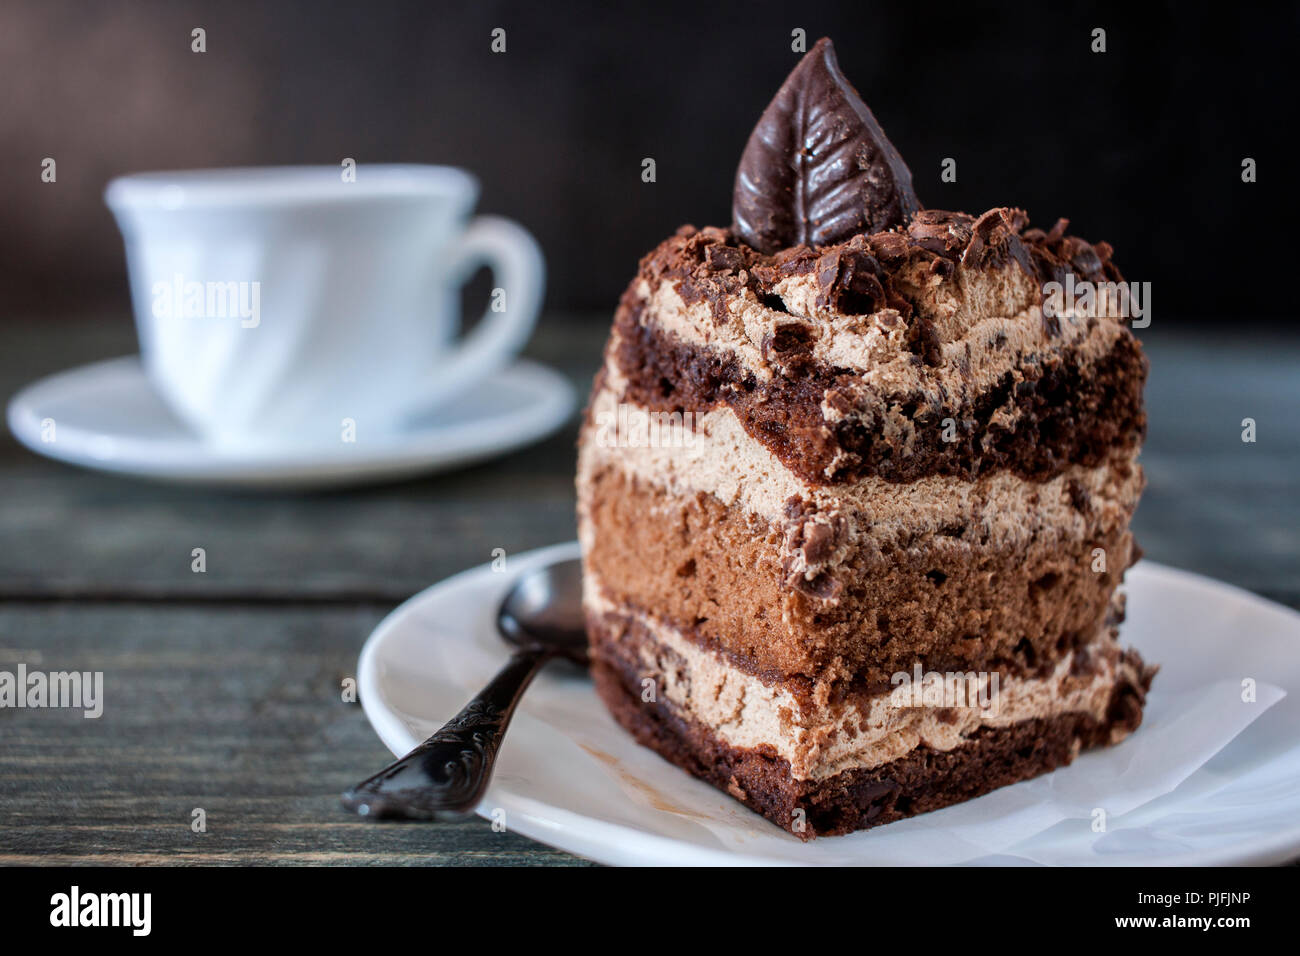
445 777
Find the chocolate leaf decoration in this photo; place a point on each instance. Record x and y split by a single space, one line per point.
818 168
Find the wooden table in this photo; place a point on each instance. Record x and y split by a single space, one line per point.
223 688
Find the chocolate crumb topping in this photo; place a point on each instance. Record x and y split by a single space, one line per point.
866 273
946 233
818 168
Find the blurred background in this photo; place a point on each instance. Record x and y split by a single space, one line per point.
1141 146
226 683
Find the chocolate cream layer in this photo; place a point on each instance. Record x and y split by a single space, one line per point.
909 353
819 737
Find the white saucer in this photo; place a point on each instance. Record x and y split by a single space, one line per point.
107 416
569 777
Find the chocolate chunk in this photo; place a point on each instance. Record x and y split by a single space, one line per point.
860 294
923 339
810 545
818 168
945 233
828 273
723 258
943 268
1083 258
898 304
819 543
790 345
847 279
995 238
1054 255
792 337
889 247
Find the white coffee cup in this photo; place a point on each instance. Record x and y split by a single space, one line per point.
296 306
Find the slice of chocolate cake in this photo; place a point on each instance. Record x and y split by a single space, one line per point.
854 498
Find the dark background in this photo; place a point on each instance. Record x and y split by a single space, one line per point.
226 684
1141 145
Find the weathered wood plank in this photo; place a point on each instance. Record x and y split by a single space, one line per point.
233 709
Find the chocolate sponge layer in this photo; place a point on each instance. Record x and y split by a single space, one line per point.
924 779
948 600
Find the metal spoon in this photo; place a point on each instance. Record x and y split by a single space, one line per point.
445 777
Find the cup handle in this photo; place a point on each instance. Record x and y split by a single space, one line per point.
519 272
